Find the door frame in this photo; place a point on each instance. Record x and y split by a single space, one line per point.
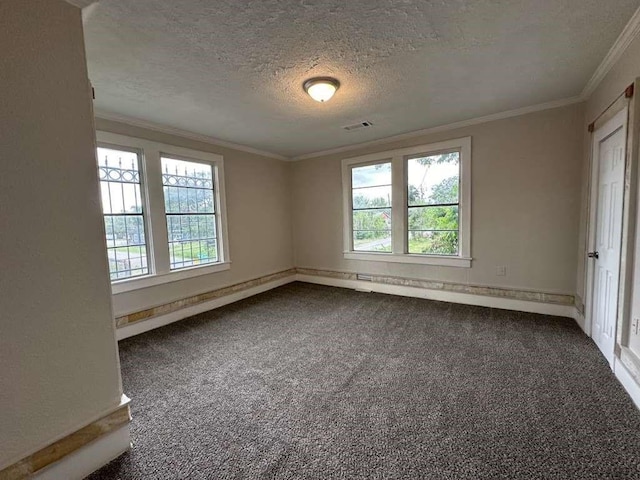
612 125
621 113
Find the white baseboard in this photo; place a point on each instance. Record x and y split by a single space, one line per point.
162 320
627 381
89 458
444 296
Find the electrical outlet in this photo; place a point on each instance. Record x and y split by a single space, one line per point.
501 271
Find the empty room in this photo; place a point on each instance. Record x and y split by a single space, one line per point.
319 239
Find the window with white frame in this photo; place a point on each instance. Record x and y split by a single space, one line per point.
164 211
189 205
371 205
433 203
122 206
410 205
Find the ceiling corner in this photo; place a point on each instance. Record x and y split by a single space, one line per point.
628 35
81 3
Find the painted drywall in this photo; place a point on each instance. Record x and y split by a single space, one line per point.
525 205
622 74
258 218
57 340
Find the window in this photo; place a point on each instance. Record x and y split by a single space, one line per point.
371 190
190 209
410 205
164 211
122 206
433 203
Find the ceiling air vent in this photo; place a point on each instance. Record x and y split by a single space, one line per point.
358 126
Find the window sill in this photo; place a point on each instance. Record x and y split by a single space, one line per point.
441 260
122 286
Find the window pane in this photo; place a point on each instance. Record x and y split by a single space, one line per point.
126 246
189 253
372 197
120 187
188 200
433 179
371 175
372 240
433 242
125 262
433 218
372 219
190 209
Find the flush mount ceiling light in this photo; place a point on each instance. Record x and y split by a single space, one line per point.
321 89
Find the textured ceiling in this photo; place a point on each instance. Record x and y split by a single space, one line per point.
234 69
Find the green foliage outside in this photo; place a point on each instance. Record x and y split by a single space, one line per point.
188 250
129 228
435 218
204 251
134 251
443 219
192 238
442 222
185 231
371 225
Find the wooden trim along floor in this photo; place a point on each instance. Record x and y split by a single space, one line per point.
499 292
456 288
31 465
201 298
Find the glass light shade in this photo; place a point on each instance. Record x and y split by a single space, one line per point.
321 89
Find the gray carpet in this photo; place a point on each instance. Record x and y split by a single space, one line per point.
316 382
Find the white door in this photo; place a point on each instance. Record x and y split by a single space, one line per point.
609 167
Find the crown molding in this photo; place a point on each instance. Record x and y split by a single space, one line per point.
156 127
628 35
135 122
443 128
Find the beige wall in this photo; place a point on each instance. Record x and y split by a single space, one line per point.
621 75
57 342
258 218
525 205
624 72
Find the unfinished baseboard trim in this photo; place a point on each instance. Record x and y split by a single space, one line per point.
510 299
181 309
89 458
71 457
478 290
578 314
561 310
627 380
631 362
184 303
580 320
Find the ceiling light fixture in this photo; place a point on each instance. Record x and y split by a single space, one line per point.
321 89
